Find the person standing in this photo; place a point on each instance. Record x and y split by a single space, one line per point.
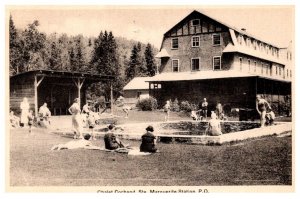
24 106
167 109
219 111
261 106
30 120
204 107
76 119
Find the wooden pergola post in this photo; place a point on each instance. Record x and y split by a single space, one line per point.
36 85
79 84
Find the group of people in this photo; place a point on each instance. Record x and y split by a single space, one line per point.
112 143
27 117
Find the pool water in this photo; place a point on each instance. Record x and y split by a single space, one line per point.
192 128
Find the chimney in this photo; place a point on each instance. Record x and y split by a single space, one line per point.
243 29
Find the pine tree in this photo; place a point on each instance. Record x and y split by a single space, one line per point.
105 61
149 59
131 71
13 48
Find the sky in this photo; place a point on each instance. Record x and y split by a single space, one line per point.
274 24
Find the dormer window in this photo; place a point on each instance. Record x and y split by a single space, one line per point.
254 44
175 43
196 22
248 41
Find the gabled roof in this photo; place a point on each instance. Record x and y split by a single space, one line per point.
224 24
138 83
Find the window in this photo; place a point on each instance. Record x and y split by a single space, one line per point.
279 70
290 73
240 39
261 46
138 94
276 69
249 64
287 73
241 63
175 43
255 44
217 63
196 41
262 68
196 22
216 39
195 64
175 65
267 69
248 41
255 66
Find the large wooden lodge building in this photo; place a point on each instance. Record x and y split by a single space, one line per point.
203 57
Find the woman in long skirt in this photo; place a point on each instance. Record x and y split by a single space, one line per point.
76 119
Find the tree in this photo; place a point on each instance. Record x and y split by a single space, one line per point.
31 43
13 48
105 61
131 71
150 62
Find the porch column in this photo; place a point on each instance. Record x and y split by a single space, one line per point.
36 85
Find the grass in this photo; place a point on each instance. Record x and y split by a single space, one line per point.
265 161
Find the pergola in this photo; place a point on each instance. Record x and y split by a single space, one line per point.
58 88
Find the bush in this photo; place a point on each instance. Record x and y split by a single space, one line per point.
187 107
175 106
148 104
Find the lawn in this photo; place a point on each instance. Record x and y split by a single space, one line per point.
265 161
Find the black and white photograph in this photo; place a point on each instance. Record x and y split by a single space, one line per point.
107 98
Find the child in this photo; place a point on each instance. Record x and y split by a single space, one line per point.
214 126
167 109
30 119
91 124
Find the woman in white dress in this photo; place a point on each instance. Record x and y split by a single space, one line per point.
24 106
76 119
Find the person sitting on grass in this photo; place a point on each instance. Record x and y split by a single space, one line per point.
214 126
111 141
14 120
75 144
148 141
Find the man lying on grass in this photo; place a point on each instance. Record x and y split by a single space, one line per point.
76 144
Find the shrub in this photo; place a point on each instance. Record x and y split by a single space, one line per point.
175 106
147 104
187 107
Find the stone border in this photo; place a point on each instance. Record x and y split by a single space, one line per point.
278 129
